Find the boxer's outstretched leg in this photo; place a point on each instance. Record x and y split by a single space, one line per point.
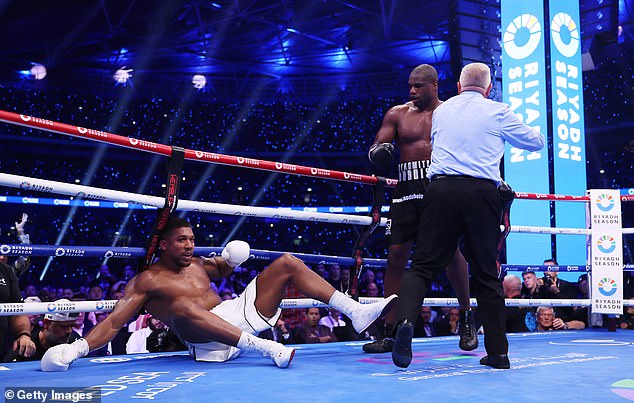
287 268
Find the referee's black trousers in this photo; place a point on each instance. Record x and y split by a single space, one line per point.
456 206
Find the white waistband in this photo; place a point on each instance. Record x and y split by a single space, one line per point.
413 170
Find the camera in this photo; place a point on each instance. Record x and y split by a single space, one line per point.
157 341
161 340
548 281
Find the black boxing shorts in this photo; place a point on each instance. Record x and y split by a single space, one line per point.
405 208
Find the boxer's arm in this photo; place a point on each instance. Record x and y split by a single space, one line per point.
387 132
216 267
135 296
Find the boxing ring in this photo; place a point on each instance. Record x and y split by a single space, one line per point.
592 364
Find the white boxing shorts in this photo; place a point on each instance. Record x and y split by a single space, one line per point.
240 312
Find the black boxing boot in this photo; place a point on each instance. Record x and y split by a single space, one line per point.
383 345
499 361
402 352
468 337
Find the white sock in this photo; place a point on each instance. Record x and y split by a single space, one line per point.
343 303
250 342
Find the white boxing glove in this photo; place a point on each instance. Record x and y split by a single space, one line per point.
236 253
58 358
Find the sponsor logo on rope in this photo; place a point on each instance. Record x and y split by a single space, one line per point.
142 143
28 186
11 308
18 250
604 202
390 181
287 167
85 195
94 133
51 307
320 172
607 286
99 305
205 155
27 118
244 213
248 161
355 177
69 252
606 244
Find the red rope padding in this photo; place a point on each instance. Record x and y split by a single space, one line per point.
156 148
542 196
148 146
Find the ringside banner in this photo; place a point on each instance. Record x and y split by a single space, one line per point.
606 251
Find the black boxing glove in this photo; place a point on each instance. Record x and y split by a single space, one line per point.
380 155
507 195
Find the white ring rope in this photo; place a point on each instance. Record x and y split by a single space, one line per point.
33 308
88 192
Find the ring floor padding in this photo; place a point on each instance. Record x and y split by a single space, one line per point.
588 365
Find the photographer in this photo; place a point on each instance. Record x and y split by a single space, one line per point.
560 289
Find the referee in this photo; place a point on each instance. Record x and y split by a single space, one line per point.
468 136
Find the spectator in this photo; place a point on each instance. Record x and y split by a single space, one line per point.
515 316
311 331
584 313
34 319
371 290
280 333
105 279
531 289
332 320
334 278
19 325
547 321
95 293
128 273
424 326
67 293
453 321
626 321
22 263
57 329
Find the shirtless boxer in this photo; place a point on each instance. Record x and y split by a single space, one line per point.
176 290
409 125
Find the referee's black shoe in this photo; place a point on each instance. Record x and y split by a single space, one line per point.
499 361
468 337
402 351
